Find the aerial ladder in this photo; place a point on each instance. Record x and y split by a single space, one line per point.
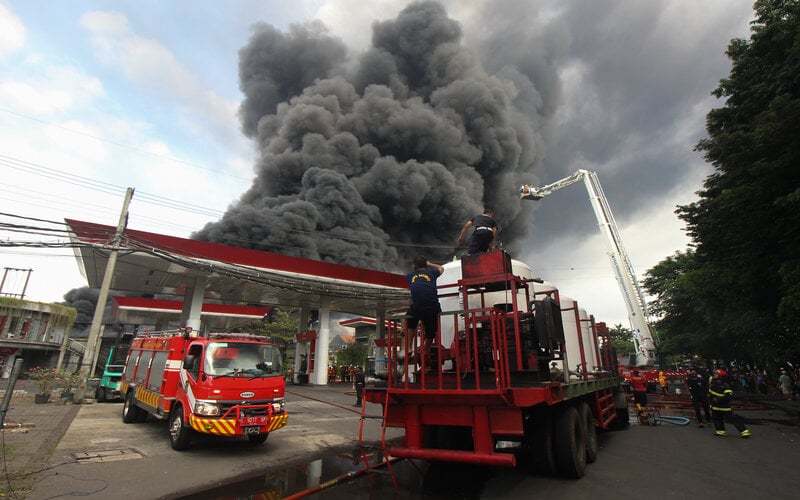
623 270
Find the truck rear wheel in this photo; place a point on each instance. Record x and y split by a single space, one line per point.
180 434
570 443
258 438
130 412
590 431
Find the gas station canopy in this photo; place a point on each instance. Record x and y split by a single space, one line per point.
159 265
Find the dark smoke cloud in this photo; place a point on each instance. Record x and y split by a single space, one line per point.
373 163
83 300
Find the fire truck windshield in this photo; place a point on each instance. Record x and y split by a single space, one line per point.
242 359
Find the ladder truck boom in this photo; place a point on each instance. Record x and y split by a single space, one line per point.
620 263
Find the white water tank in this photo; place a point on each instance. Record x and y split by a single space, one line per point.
572 329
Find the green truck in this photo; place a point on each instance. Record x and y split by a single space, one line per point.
108 388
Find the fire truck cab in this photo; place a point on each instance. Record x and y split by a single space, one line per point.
222 384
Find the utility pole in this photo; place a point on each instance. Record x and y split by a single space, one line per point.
89 359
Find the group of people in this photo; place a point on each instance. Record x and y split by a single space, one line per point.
784 381
343 373
711 398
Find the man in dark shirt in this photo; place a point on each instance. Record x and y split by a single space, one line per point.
359 385
484 234
698 388
424 298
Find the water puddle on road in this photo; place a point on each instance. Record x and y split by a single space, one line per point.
344 476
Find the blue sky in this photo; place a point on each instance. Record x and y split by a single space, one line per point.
97 96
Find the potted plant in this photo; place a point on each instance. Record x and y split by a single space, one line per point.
68 381
45 379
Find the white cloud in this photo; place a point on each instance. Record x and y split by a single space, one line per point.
12 32
155 69
106 23
351 20
33 100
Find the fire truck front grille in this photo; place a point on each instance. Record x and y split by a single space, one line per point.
245 407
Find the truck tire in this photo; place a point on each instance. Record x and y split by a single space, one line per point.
590 431
570 443
257 439
100 394
623 415
180 434
539 434
130 412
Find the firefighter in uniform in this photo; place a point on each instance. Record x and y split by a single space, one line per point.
639 388
720 394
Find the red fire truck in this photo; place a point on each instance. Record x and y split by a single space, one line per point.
222 384
515 368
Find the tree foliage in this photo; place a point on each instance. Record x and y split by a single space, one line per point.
355 354
621 339
736 295
280 327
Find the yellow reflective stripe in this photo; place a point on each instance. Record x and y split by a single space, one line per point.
276 423
149 398
227 427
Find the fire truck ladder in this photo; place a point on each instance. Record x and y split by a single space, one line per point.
384 449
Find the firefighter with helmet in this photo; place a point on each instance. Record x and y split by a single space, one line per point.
720 394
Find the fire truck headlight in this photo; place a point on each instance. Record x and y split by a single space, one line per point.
277 405
206 409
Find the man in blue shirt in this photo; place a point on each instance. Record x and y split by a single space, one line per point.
484 234
424 298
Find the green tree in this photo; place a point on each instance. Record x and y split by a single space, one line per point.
279 327
621 339
736 296
682 303
355 354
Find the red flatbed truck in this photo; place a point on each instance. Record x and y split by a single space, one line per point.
224 384
497 381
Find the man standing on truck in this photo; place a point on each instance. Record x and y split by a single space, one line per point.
484 234
424 298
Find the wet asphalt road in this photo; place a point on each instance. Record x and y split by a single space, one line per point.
100 457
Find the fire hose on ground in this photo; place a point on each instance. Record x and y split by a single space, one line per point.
339 479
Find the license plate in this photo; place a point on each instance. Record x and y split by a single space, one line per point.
252 430
248 421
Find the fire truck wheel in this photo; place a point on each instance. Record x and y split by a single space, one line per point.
180 434
539 435
258 438
570 443
590 431
130 412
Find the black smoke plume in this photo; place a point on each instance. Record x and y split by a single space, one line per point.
371 163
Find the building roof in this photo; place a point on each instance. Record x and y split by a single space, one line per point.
138 310
150 263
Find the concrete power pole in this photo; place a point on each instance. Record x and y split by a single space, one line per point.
89 359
